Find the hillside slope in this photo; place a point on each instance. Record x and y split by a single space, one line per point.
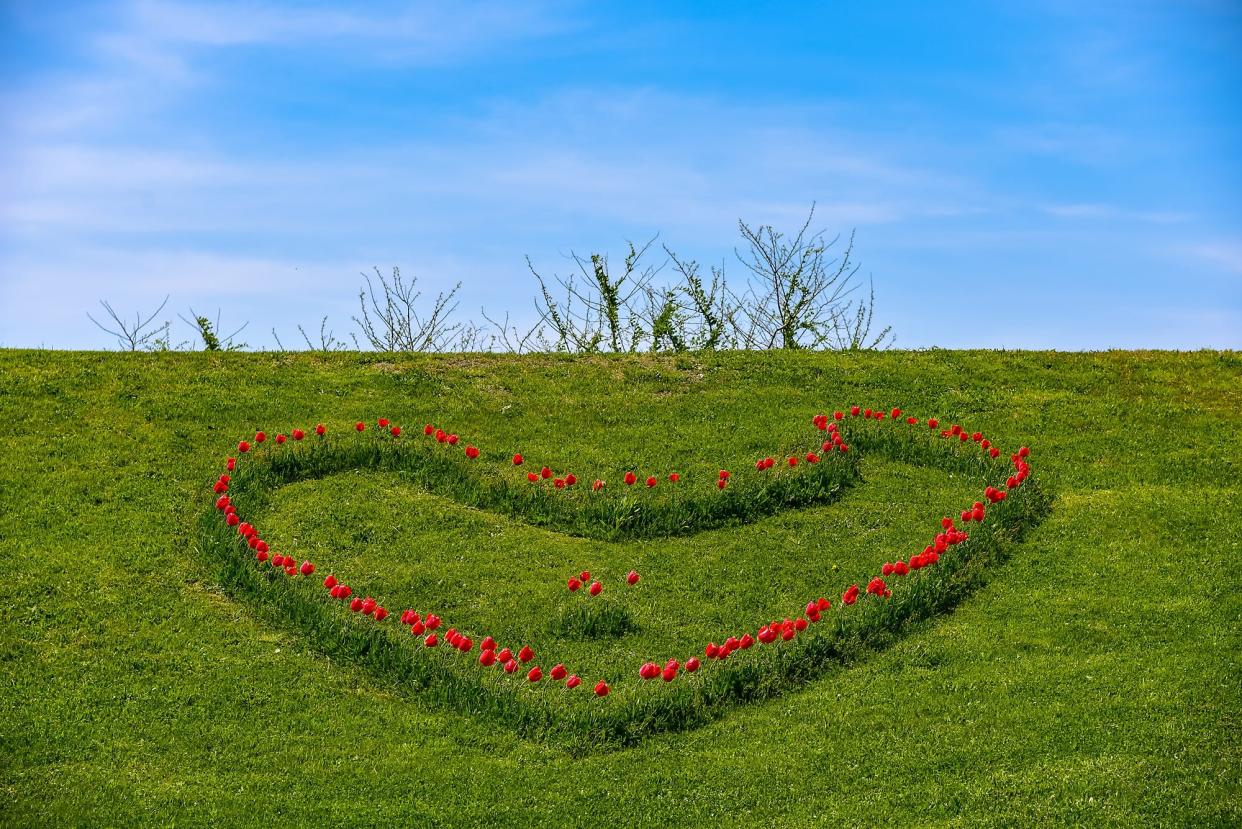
1093 679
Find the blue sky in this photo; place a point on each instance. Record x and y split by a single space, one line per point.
1060 175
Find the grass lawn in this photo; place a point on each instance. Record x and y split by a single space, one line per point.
1090 676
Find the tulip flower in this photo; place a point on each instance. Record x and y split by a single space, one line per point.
800 624
261 556
452 440
585 575
431 641
329 582
595 588
532 477
674 477
355 605
525 654
597 486
558 672
746 642
854 411
573 584
630 478
368 605
669 673
722 483
433 621
570 479
517 460
811 457
601 689
649 670
573 682
464 643
787 633
381 614
559 483
505 655
692 664
230 463
472 452
280 438
510 666
487 658
307 568
395 431
534 675
298 434
382 422
651 481
632 577
711 650
793 461
441 436
360 425
1024 452
488 644
243 447
545 473
417 628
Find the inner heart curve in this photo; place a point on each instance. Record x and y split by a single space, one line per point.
466 670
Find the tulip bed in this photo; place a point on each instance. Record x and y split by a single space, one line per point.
1074 662
510 681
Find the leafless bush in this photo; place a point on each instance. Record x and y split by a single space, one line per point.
797 293
390 319
143 334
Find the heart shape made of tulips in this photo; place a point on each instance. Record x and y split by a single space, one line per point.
634 582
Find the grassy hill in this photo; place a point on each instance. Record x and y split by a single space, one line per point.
1090 676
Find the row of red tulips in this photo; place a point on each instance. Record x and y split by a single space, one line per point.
784 630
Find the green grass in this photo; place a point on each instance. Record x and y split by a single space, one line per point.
1090 677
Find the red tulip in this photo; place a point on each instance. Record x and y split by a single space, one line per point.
290 570
669 673
472 452
222 502
573 584
360 425
307 568
595 588
243 447
534 675
277 560
505 655
526 654
746 641
630 478
417 628
787 633
601 689
488 644
651 481
452 440
558 672
793 461
867 413
976 437
382 422
368 605
570 479
876 586
320 430
510 666
994 452
545 473
355 605
811 457
431 641
632 577
597 486
433 621
329 582
573 682
692 664
674 477
649 670
517 460
428 429
711 650
280 438
854 411
585 575
725 475
261 556
838 415
441 436
259 437
559 483
843 448
230 463
532 477
722 483
395 431
381 614
487 658
465 644
298 434
800 624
